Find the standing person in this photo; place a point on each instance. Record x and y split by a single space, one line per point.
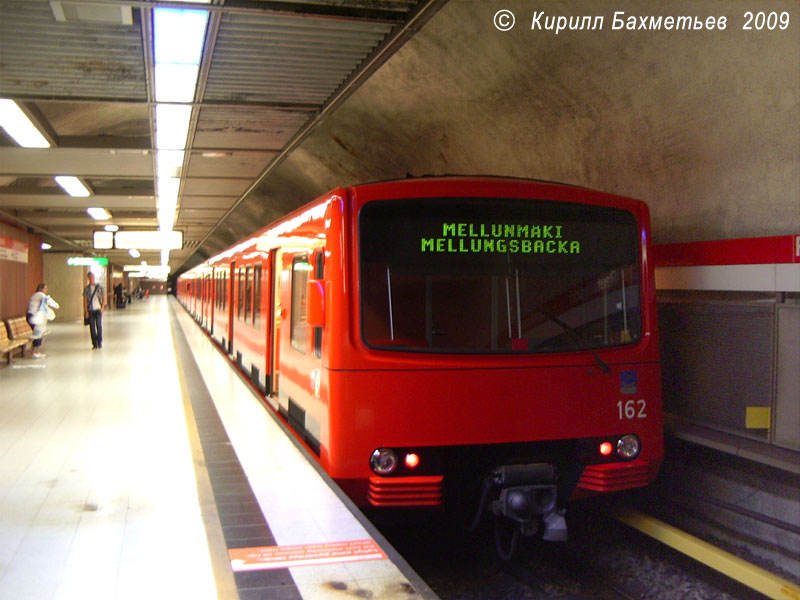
94 296
37 316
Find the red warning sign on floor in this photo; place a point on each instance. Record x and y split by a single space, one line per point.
281 557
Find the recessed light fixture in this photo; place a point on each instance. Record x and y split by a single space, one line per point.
19 127
111 227
134 253
103 240
149 240
46 246
73 186
179 36
98 213
85 12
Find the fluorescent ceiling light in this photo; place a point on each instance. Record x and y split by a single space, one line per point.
73 186
175 83
172 126
178 39
168 192
102 240
134 253
149 240
169 163
111 228
19 126
46 246
148 271
98 213
179 35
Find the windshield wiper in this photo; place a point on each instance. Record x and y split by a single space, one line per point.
569 329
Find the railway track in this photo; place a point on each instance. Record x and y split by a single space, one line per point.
604 559
569 577
749 509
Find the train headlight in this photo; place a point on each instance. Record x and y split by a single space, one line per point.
628 447
383 461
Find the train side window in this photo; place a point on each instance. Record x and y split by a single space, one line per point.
319 273
257 296
248 293
299 329
240 295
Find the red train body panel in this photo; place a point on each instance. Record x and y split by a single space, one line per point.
471 323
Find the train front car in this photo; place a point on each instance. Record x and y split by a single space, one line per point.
502 338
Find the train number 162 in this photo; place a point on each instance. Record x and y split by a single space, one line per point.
632 409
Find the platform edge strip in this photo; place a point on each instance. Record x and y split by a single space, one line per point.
732 566
218 549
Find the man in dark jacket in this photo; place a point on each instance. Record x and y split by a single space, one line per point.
94 297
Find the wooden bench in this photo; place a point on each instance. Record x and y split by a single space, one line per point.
13 337
18 329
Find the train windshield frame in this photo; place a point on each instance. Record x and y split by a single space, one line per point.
498 276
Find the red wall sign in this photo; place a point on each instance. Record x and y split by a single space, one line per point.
11 249
747 251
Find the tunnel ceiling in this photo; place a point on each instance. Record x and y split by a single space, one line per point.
701 124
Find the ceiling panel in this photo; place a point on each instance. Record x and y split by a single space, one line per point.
217 202
83 72
198 186
248 127
46 58
266 58
81 162
228 164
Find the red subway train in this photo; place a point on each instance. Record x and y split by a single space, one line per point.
489 339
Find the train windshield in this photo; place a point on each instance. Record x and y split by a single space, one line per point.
478 275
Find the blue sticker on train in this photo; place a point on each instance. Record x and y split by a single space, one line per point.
629 382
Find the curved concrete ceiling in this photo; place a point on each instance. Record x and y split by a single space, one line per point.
703 125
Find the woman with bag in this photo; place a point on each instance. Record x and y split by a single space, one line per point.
40 311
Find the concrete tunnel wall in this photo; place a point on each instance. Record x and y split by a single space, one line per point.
703 125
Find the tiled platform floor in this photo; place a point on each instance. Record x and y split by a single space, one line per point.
97 491
99 494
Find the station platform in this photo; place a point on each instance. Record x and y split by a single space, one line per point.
149 469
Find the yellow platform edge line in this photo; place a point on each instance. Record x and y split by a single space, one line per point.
217 547
732 566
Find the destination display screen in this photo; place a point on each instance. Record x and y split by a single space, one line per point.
497 275
482 231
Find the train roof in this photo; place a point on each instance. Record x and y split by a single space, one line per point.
314 209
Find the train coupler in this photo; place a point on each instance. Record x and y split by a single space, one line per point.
527 501
527 506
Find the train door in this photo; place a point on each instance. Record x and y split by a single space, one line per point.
207 295
299 389
273 352
232 306
212 300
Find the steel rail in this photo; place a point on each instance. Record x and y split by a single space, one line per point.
740 570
